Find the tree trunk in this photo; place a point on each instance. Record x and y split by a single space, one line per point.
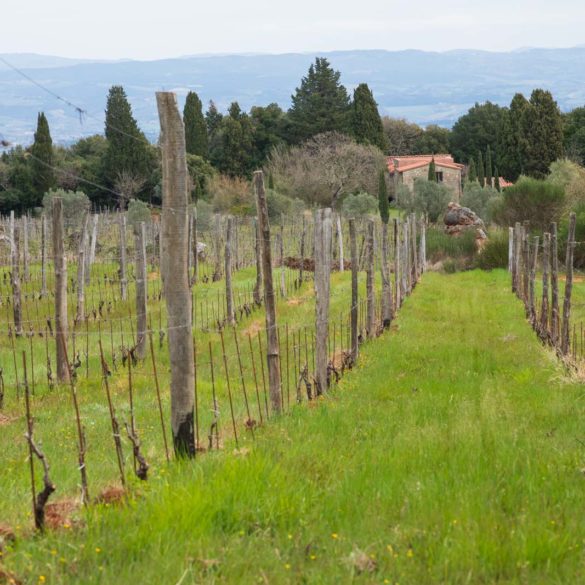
60 264
273 358
174 239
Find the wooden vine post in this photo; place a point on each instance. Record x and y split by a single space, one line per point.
322 253
386 284
566 330
141 290
273 357
60 266
370 298
229 292
15 281
258 245
354 290
554 285
175 276
123 277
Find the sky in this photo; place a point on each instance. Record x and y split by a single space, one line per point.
145 29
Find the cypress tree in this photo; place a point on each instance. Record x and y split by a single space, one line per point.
471 171
234 153
432 176
196 141
128 151
541 134
320 103
488 167
383 203
510 150
497 180
480 169
366 123
42 175
212 119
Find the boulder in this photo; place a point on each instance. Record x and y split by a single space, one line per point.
460 219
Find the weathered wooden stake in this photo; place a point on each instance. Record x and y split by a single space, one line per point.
322 255
174 237
141 290
354 290
60 266
273 358
565 333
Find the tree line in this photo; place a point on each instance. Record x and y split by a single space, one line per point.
323 124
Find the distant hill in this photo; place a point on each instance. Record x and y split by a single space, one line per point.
424 87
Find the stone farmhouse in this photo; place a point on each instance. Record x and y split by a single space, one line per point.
405 169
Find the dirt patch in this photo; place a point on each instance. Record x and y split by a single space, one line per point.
111 495
308 264
5 420
294 301
61 514
8 578
254 328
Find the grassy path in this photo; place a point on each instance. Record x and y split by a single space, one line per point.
450 456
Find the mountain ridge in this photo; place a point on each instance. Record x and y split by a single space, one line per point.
422 86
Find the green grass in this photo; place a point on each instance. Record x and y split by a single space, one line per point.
451 455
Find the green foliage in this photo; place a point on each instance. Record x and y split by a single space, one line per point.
232 195
539 202
75 205
42 174
383 203
359 205
428 197
129 153
574 134
432 171
472 171
476 130
16 186
196 141
541 134
433 140
495 251
489 171
320 104
268 125
366 124
200 172
480 169
511 142
478 198
442 246
205 215
401 135
279 204
232 148
138 212
579 251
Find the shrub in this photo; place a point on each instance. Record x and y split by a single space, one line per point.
427 197
478 198
232 195
278 204
539 202
204 215
138 212
579 253
441 245
75 205
495 251
359 205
